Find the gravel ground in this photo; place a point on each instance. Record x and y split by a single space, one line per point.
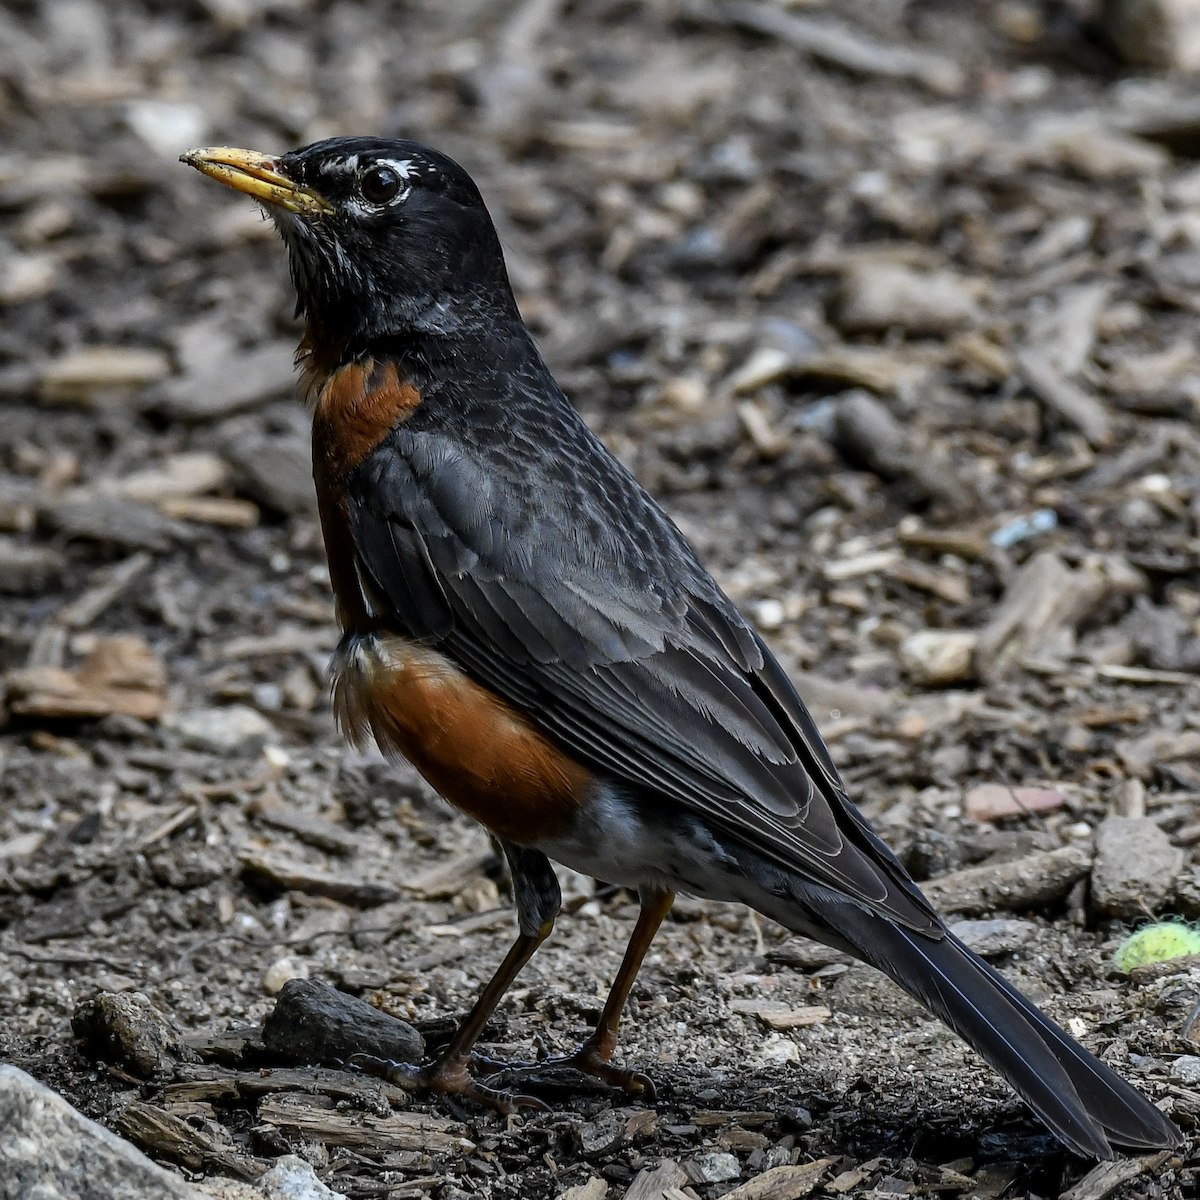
899 330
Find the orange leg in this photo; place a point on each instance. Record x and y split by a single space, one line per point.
449 1074
593 1056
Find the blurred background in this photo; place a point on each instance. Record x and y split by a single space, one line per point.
892 304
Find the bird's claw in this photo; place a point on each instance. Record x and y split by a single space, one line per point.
587 1059
445 1077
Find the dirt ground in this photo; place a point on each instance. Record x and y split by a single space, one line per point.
905 344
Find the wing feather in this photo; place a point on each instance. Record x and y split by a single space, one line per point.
605 628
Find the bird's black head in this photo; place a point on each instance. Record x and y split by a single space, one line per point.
385 237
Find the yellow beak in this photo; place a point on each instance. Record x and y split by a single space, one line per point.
257 175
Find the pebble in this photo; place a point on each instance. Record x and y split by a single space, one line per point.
236 729
991 939
313 1023
938 656
291 1178
1135 867
125 1028
880 296
1186 1068
282 971
991 801
715 1166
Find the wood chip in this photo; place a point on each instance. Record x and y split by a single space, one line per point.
966 543
653 1183
845 47
107 586
1105 1178
289 639
398 1131
838 570
954 589
783 1183
1030 882
777 1015
446 880
1067 399
300 877
316 831
1144 675
166 1135
211 510
991 801
216 1083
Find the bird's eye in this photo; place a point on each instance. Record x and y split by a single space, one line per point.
380 184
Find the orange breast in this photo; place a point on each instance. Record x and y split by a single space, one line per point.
479 753
356 405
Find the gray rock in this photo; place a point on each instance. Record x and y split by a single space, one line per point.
125 1028
291 1178
276 471
314 1023
990 939
1186 1068
240 382
236 729
50 1151
1135 866
714 1166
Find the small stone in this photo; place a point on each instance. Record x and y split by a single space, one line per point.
237 729
604 1135
715 1166
991 801
167 127
125 1028
51 1150
1135 867
313 1023
880 296
291 1178
1186 1068
281 971
1155 33
991 939
937 656
26 277
769 615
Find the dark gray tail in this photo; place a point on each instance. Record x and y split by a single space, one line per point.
1087 1105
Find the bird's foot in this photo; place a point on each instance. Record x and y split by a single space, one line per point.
589 1059
445 1077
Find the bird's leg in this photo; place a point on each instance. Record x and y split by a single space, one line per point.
538 900
592 1057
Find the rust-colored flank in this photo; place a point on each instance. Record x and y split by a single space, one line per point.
480 754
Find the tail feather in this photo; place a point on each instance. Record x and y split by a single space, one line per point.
1086 1104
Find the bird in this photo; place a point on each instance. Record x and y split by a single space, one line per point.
525 624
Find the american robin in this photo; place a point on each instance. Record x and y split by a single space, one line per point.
525 625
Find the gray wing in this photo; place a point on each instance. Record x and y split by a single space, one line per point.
585 607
